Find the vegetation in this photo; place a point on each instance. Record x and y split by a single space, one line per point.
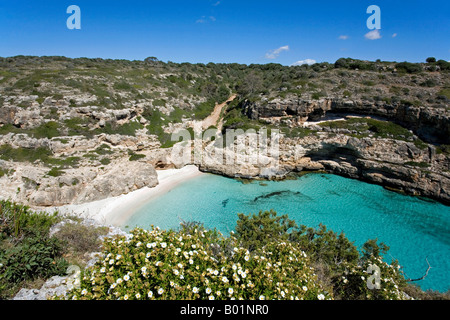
27 253
268 257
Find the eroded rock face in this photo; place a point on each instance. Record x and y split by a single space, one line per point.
431 124
122 179
31 184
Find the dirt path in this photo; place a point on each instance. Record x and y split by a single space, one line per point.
214 118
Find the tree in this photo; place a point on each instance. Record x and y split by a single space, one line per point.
431 60
251 85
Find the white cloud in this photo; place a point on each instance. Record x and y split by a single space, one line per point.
203 19
343 37
394 35
216 4
373 35
306 61
273 54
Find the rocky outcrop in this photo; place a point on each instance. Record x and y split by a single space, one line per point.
30 184
122 179
430 123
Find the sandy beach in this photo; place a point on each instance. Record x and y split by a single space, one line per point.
117 210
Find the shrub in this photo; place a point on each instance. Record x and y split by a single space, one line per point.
80 238
407 67
33 258
26 251
171 265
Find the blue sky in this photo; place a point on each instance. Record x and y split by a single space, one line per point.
226 31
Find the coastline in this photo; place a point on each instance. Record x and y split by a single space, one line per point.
117 210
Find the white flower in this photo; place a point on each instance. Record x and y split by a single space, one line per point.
191 261
103 270
118 256
144 269
138 296
321 297
119 281
176 272
195 290
261 297
194 246
211 297
150 294
180 266
126 277
163 245
160 291
208 290
224 279
84 292
148 254
149 245
305 288
125 297
230 291
111 261
246 258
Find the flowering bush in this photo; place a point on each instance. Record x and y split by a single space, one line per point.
354 283
177 265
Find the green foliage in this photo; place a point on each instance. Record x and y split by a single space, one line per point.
418 164
55 172
127 129
443 65
122 86
135 156
19 221
26 251
81 239
380 129
197 264
407 67
24 155
258 230
33 258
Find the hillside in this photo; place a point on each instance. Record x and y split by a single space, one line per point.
69 127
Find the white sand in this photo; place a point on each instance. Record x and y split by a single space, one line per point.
116 211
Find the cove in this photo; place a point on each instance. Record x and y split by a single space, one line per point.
415 229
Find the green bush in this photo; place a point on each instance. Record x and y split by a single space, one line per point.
269 257
203 265
26 251
33 258
407 67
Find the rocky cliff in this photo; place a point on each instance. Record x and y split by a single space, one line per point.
431 124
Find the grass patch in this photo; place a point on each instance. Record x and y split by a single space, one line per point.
380 129
418 164
135 156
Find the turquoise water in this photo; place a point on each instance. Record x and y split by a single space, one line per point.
415 229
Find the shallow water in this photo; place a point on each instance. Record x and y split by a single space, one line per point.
414 228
